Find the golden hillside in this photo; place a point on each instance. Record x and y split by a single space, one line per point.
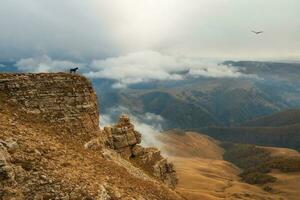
203 174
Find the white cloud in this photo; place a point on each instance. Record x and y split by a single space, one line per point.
136 67
1 65
147 66
216 71
45 64
88 29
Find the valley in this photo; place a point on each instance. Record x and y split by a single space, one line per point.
200 102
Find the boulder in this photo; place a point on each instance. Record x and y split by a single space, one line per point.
122 136
6 170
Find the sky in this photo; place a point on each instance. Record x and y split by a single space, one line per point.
44 35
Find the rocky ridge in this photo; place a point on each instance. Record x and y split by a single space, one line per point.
66 102
51 146
124 139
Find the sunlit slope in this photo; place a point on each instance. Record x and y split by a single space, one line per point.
191 145
203 174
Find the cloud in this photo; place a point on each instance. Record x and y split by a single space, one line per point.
148 66
149 124
80 30
136 67
45 64
1 65
216 71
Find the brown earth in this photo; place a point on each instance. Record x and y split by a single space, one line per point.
203 174
45 120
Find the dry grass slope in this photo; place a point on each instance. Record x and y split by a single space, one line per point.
203 174
39 160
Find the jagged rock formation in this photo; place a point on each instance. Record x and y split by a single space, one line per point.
65 102
125 139
122 136
44 121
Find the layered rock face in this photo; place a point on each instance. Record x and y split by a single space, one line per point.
47 150
125 140
66 102
123 137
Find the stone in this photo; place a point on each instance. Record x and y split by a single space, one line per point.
11 144
103 194
125 140
137 150
6 170
152 160
122 136
63 101
94 144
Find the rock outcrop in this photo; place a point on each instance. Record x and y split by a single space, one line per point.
67 103
123 137
6 171
125 140
44 121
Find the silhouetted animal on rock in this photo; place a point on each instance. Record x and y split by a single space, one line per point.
73 70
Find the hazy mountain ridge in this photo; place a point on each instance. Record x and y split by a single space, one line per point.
284 118
280 129
282 71
205 101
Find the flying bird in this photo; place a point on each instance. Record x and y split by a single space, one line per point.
257 32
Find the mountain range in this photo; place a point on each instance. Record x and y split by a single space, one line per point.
207 101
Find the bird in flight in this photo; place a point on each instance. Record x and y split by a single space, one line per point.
257 32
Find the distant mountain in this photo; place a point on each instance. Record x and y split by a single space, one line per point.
185 114
284 136
281 129
8 66
204 102
281 71
284 118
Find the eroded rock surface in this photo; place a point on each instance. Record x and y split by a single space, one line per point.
6 171
45 120
125 140
67 103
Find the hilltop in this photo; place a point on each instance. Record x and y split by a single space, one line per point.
51 146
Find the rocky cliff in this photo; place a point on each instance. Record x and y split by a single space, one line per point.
51 146
65 102
124 139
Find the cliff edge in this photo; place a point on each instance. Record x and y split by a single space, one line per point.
51 146
62 101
